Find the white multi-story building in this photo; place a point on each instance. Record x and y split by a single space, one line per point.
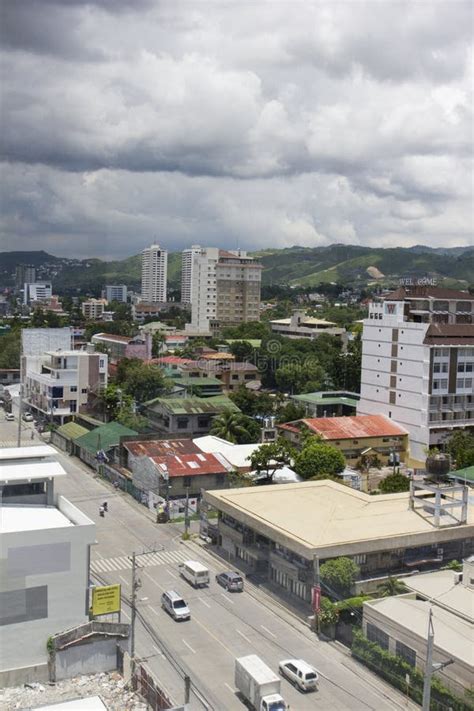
44 557
39 291
225 289
116 292
60 383
187 263
418 363
302 326
154 274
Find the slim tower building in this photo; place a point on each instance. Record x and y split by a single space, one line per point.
187 272
154 274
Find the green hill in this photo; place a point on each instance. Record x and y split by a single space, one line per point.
346 264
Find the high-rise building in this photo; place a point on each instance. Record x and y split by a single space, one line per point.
116 292
418 363
24 274
154 274
37 291
225 289
187 262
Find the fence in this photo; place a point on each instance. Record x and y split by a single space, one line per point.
144 684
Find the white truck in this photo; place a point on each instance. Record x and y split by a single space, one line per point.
258 684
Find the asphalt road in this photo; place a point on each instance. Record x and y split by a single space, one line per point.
223 625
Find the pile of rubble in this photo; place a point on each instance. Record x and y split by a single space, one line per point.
111 688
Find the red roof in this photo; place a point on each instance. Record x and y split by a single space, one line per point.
357 426
193 464
173 360
161 447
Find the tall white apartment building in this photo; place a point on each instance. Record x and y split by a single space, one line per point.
418 363
45 546
154 274
60 383
187 263
225 289
93 309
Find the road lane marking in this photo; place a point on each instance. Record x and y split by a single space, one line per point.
153 609
232 691
227 598
125 582
172 575
267 630
158 651
243 635
153 581
126 614
189 647
204 602
211 634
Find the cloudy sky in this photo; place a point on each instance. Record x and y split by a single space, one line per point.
261 123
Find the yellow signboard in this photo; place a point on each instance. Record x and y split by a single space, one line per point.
105 600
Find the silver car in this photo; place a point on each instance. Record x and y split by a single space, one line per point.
299 673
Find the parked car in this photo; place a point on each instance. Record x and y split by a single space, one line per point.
233 582
175 606
28 417
9 416
299 673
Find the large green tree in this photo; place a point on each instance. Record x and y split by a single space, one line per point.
318 461
391 586
461 448
141 380
10 349
251 403
306 376
235 427
290 412
269 458
338 576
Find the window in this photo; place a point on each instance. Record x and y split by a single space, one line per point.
407 653
392 398
374 634
84 391
182 423
73 389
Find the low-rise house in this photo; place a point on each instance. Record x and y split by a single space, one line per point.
400 625
328 403
119 347
302 326
45 546
204 386
278 530
65 436
232 374
104 439
186 416
354 436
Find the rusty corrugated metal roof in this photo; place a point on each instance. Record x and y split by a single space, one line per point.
193 464
355 427
160 447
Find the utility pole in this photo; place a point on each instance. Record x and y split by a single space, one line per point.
317 594
20 407
187 689
186 514
430 668
135 586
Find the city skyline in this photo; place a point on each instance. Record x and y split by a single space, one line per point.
244 126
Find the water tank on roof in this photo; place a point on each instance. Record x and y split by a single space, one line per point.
438 467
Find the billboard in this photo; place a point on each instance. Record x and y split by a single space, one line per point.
105 599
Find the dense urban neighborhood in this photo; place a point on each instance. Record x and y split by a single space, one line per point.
312 451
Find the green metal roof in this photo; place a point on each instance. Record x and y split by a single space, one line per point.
316 399
104 437
194 405
71 430
467 474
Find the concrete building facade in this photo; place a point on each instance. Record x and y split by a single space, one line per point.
44 555
116 292
302 326
225 289
154 274
93 309
59 384
37 291
187 263
418 363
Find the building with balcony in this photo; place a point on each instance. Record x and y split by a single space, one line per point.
302 326
418 363
60 383
277 531
44 556
93 309
353 436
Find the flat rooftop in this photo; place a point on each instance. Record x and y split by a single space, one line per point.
90 703
35 452
23 470
441 587
327 517
452 635
31 518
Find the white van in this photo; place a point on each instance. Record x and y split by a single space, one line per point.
195 573
175 606
301 674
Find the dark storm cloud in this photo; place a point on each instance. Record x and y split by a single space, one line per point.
340 122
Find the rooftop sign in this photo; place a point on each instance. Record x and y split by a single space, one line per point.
420 281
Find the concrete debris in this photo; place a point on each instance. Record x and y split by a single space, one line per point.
110 687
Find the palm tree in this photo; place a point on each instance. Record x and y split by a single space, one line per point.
391 586
233 426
